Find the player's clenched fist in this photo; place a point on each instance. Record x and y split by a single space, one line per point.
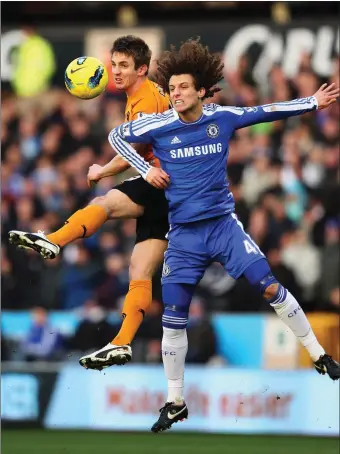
158 178
326 95
94 174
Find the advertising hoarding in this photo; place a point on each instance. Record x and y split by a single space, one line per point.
219 400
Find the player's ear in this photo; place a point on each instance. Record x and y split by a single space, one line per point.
142 70
201 93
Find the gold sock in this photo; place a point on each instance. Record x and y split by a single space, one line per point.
137 302
82 224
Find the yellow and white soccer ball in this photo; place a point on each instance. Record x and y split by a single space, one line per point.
86 77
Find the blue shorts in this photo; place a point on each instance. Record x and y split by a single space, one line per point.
194 246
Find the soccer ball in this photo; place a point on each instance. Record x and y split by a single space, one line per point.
86 77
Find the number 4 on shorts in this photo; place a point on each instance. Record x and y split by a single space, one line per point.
250 248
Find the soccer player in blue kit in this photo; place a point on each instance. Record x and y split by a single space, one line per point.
191 141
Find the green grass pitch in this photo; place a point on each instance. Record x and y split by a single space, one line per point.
88 442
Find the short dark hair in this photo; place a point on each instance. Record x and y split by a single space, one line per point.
192 58
134 47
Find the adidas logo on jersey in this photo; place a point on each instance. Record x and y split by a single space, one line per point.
175 140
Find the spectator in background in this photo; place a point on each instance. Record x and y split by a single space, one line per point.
128 227
79 135
274 203
257 177
43 342
14 178
28 140
109 243
50 143
148 347
283 274
291 178
241 206
24 211
279 89
80 276
27 276
115 282
313 170
34 65
93 330
334 300
9 293
303 258
330 266
259 231
201 335
49 288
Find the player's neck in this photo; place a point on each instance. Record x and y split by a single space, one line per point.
135 87
192 115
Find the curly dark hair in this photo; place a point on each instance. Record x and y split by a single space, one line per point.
134 47
192 58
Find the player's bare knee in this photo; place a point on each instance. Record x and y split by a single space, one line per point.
140 272
111 204
120 206
271 291
98 201
101 201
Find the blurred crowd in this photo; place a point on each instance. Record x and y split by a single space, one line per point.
284 177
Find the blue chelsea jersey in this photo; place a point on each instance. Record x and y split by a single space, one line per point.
195 154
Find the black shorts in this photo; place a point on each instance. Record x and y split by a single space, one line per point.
154 222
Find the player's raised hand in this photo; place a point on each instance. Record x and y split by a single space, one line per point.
158 178
94 174
326 95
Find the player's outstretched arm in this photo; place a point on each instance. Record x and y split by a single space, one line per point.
97 172
324 97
